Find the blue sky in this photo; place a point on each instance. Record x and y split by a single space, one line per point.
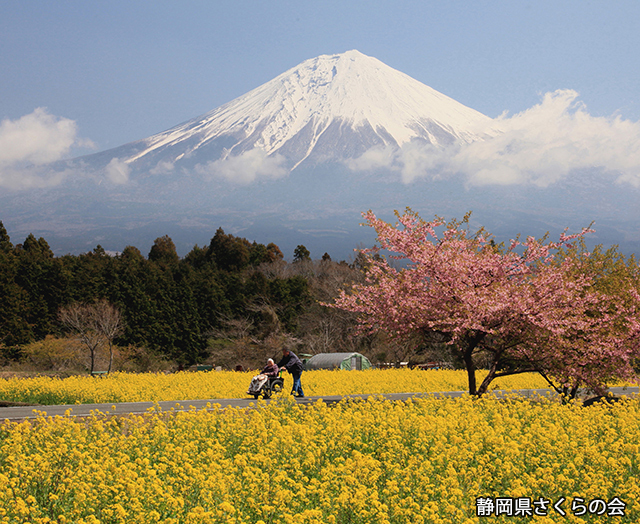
123 70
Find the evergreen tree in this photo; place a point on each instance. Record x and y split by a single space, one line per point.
90 275
14 328
196 258
163 250
5 242
129 292
44 281
301 253
228 252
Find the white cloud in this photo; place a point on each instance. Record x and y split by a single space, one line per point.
413 160
162 168
374 158
31 141
246 167
30 177
117 171
539 146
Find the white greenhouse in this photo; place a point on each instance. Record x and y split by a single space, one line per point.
348 361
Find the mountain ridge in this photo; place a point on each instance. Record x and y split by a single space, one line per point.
315 108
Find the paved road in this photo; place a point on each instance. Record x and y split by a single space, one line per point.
17 413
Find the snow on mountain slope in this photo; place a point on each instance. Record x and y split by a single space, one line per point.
321 118
336 105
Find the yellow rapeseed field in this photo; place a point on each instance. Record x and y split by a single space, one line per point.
128 387
434 461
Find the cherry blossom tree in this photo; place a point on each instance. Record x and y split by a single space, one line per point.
519 307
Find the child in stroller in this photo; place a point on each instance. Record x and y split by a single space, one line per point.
266 382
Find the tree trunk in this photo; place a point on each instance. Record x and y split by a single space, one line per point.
110 356
570 393
489 378
471 343
471 369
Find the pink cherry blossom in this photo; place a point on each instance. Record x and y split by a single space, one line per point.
519 305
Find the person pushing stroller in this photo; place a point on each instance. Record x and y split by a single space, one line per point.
293 365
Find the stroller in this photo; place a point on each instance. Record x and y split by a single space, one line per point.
266 386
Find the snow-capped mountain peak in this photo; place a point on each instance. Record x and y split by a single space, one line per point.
338 105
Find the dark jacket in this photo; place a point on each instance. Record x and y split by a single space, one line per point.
292 363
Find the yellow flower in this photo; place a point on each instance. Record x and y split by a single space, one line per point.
427 460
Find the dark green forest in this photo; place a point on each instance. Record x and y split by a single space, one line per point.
231 302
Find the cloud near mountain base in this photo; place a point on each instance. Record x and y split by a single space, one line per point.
246 168
22 178
539 146
117 172
31 141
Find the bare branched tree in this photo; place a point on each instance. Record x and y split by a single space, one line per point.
108 322
80 319
94 324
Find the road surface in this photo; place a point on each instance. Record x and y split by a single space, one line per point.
22 412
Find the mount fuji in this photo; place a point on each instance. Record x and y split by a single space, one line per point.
294 161
331 107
